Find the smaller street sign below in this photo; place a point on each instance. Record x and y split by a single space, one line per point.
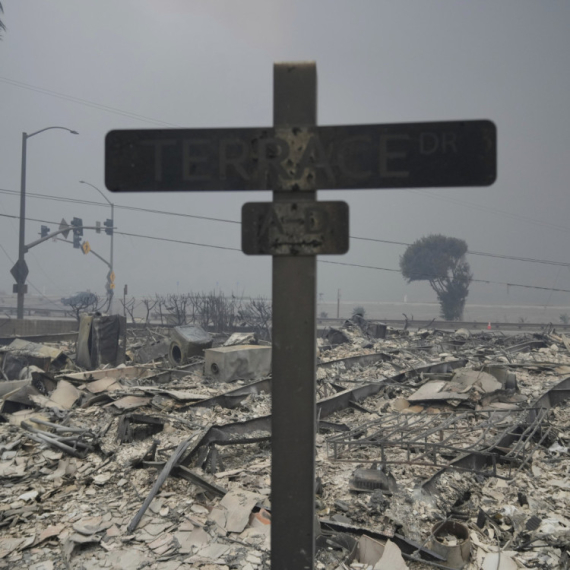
20 271
294 228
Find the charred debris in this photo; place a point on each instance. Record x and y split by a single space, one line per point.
151 448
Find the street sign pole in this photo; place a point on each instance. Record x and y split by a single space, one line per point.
295 158
293 355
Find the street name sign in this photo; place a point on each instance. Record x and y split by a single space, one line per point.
295 158
408 155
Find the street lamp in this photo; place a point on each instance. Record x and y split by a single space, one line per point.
22 271
111 292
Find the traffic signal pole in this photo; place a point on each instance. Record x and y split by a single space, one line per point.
27 248
21 245
110 231
111 291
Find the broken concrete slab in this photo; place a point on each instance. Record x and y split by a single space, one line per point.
369 550
436 390
391 559
334 337
499 561
237 338
127 559
459 388
104 385
31 353
65 395
465 378
239 505
152 351
121 372
129 403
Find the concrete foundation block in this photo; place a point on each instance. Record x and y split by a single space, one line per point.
229 363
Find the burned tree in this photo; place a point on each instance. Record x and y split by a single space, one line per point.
129 307
85 303
440 260
149 305
214 310
175 306
257 314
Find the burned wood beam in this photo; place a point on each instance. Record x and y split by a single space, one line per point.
127 430
406 545
174 458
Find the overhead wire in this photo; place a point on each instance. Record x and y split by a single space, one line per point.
144 118
147 119
224 220
39 265
498 211
85 102
344 263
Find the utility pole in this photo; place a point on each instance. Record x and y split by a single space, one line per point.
125 291
20 269
338 305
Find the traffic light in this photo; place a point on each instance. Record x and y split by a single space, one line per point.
108 227
77 224
44 231
85 247
76 241
110 280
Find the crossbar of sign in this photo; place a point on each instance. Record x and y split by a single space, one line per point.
408 155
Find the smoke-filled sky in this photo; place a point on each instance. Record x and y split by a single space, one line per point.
120 64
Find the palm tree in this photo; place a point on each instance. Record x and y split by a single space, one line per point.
2 26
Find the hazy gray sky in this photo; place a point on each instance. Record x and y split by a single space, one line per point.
93 66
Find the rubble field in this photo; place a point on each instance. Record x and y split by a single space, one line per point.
434 449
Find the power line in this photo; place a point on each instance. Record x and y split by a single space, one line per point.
178 241
31 284
481 253
224 220
146 119
492 210
6 253
119 206
41 269
485 281
85 102
184 242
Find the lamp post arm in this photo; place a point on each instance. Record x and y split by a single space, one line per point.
93 186
47 129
